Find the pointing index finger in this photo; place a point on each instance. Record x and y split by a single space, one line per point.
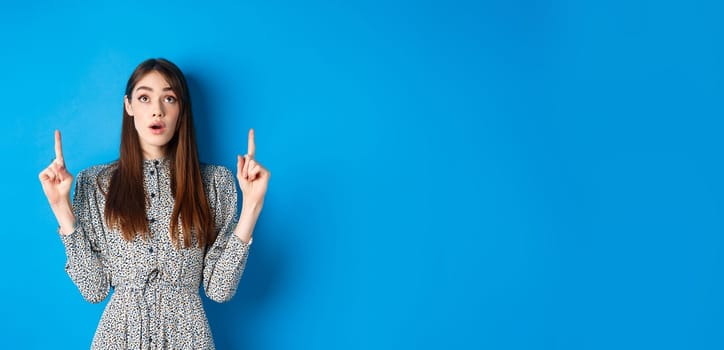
58 147
251 148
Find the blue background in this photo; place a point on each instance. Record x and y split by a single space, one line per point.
446 174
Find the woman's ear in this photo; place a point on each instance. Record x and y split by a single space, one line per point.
127 103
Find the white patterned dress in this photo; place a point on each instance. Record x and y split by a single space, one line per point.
155 302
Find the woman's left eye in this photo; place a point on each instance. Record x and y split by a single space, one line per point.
170 99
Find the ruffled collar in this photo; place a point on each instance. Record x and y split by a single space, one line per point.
156 161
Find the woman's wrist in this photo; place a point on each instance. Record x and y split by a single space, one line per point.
247 221
251 207
66 220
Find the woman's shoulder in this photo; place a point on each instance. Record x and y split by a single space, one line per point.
97 173
214 169
214 173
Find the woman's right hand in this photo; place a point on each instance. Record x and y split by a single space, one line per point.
57 181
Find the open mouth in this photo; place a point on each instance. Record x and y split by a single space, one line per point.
157 128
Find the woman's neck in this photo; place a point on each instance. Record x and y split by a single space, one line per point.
153 153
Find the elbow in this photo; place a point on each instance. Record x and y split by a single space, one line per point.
94 292
95 296
220 295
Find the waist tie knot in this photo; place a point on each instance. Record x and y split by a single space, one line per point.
146 297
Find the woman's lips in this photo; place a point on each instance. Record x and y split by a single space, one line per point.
157 129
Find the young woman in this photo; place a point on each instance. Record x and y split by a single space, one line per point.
156 224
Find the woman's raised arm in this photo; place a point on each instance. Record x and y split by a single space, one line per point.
57 181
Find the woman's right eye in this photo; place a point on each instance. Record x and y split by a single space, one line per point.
143 98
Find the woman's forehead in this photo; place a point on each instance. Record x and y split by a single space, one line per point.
153 81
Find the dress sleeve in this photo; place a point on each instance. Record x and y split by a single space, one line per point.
225 260
86 264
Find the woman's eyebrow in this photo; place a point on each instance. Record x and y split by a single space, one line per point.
168 88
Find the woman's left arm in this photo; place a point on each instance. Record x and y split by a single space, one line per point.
253 179
226 258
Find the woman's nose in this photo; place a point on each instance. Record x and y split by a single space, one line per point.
159 111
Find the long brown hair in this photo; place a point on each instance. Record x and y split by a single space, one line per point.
126 199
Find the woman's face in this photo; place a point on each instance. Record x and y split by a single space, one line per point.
155 109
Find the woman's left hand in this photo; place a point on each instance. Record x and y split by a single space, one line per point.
253 177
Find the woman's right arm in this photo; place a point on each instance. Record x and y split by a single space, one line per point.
56 181
86 265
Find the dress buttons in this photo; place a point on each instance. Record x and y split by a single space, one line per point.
153 195
152 172
155 162
150 249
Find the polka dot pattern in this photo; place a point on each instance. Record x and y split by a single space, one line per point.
155 303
